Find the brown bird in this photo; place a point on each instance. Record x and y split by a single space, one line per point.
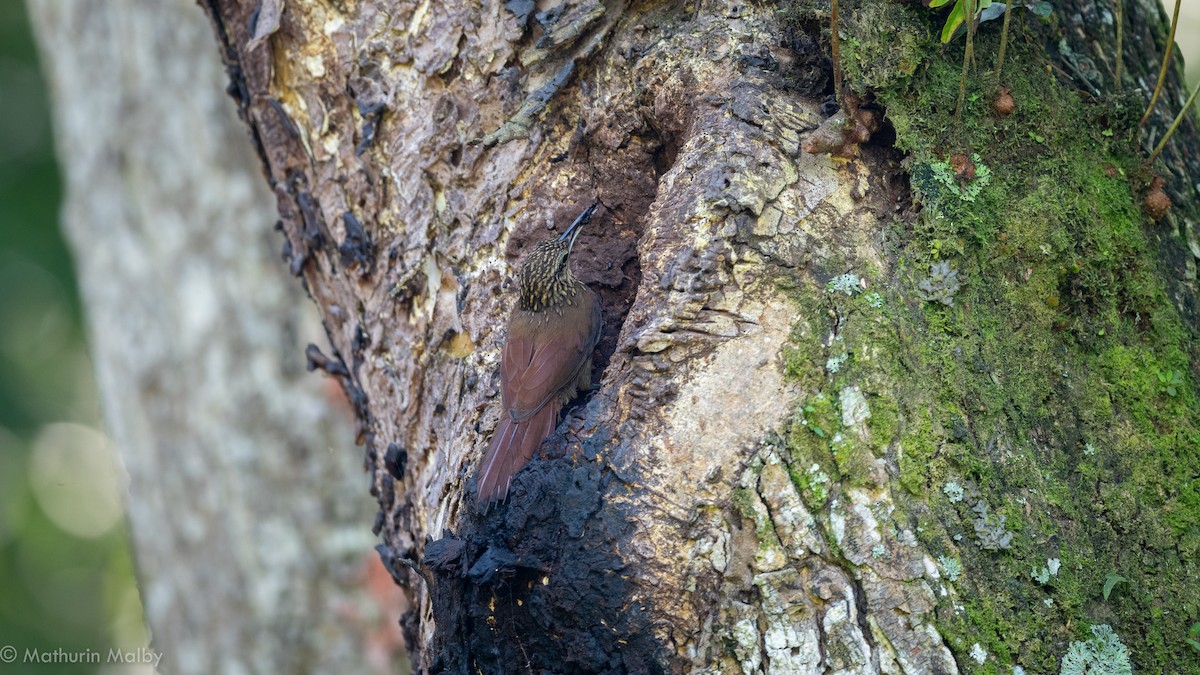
547 358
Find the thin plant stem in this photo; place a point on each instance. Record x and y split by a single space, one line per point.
1174 125
837 61
968 54
1008 7
1120 31
1162 74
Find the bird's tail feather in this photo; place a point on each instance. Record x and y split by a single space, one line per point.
513 445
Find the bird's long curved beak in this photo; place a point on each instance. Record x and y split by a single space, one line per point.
576 227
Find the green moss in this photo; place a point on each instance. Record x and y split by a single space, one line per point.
853 460
808 444
884 422
799 359
743 501
918 467
1060 338
819 416
769 554
900 46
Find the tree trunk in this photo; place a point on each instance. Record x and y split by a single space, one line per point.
248 522
822 388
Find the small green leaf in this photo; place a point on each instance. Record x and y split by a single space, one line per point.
1037 137
937 3
1195 645
818 431
1111 580
1195 630
1107 132
1042 8
953 21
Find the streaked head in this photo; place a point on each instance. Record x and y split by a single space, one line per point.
545 278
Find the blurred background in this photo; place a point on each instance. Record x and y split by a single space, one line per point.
66 575
252 511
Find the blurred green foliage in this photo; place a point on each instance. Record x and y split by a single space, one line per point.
58 590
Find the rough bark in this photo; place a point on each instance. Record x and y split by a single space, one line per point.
245 500
417 149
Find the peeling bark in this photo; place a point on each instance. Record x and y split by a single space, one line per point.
663 531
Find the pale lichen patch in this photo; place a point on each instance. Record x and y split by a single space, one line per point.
744 632
846 648
791 640
737 398
855 410
315 65
796 527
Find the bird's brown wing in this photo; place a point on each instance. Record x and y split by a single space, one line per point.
539 362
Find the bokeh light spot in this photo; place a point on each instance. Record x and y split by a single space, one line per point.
76 480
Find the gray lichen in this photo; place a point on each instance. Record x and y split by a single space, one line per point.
978 653
1050 569
1103 654
954 492
940 285
817 481
844 283
951 567
990 532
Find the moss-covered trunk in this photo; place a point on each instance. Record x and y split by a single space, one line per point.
898 413
1048 437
